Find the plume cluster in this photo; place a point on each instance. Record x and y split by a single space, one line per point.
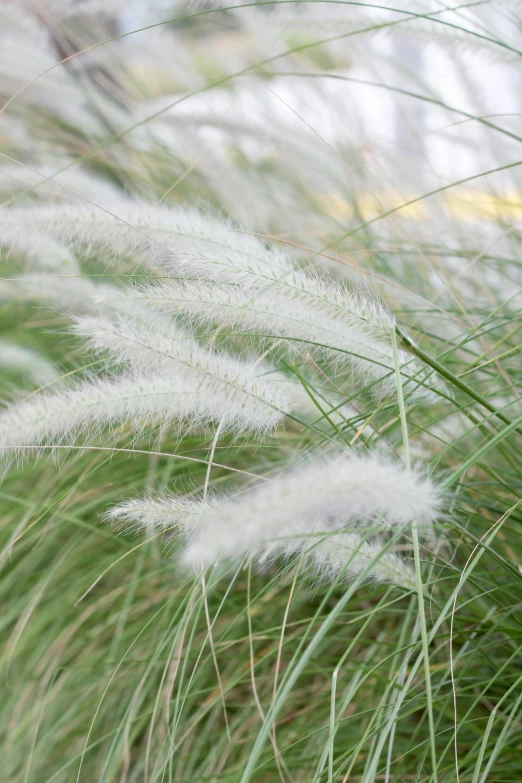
172 380
158 340
255 288
203 272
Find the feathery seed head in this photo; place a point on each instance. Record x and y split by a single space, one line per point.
168 512
237 393
48 419
323 495
282 516
282 313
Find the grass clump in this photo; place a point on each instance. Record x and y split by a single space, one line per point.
269 324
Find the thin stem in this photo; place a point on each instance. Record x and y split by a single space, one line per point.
454 379
416 554
332 727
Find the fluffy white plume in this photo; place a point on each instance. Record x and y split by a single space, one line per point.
236 391
175 515
59 292
25 360
322 496
281 516
281 315
40 251
75 294
195 243
201 247
54 278
72 185
280 298
52 419
325 554
28 51
350 554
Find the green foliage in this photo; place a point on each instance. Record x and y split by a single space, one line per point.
117 666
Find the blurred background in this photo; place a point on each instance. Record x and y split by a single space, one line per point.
331 110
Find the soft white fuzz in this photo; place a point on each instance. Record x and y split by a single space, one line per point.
75 294
192 242
325 555
260 287
173 514
322 496
280 314
254 287
60 293
30 363
235 390
285 515
196 246
51 419
40 251
70 186
349 554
